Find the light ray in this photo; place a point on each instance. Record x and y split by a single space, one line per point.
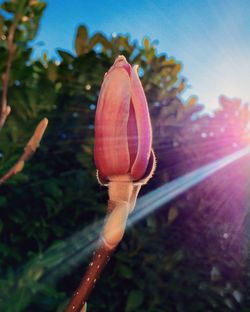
155 199
83 243
63 258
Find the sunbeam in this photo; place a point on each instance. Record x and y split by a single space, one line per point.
68 254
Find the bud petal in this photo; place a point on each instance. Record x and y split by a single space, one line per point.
143 126
111 142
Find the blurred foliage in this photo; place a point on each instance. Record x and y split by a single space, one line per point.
191 255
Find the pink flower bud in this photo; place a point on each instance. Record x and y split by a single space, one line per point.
123 136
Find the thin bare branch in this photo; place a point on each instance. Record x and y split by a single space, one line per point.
29 150
3 116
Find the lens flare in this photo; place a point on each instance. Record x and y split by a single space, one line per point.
64 257
72 251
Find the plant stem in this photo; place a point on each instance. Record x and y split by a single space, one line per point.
100 258
121 197
29 150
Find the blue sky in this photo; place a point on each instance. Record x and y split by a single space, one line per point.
211 38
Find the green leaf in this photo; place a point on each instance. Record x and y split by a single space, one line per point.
125 271
146 43
21 6
81 40
3 201
66 56
9 7
99 38
134 301
38 7
1 25
52 72
172 214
